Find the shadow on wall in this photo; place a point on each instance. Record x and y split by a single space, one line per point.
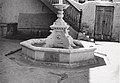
33 25
85 28
73 33
86 32
115 35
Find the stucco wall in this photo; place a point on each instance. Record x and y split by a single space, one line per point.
12 8
116 0
116 22
88 16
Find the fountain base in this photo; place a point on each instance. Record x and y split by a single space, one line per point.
73 57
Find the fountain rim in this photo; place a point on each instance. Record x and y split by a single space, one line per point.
28 44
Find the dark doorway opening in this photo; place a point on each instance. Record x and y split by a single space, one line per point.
103 23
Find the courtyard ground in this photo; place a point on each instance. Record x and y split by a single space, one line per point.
11 72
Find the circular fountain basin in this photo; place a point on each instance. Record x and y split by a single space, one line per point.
34 48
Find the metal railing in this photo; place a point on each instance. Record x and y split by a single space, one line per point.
71 15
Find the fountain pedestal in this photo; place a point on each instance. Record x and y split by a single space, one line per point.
59 37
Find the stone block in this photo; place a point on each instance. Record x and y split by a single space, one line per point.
39 55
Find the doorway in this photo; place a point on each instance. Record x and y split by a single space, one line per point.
103 22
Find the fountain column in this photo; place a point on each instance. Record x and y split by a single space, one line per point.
59 36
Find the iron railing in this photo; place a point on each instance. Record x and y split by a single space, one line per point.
71 15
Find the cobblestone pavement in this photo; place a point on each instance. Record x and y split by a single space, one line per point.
10 72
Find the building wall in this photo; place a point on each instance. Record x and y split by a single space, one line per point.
116 0
88 16
116 22
12 8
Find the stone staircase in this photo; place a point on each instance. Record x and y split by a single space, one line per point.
71 15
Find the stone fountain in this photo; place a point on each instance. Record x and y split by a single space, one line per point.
59 48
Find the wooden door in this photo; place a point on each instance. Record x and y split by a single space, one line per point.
103 22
